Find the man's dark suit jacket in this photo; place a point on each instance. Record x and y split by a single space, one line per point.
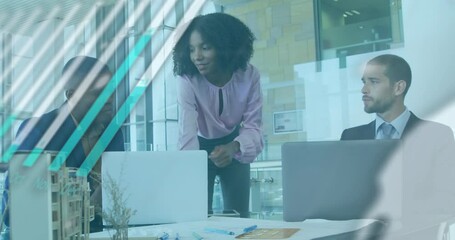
368 131
74 159
428 167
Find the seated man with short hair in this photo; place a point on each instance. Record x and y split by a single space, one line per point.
428 147
81 71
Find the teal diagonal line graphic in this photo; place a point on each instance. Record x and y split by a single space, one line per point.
13 147
99 103
80 130
9 153
113 127
111 130
7 125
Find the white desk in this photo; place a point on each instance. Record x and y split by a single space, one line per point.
308 229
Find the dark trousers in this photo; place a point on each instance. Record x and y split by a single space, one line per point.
234 179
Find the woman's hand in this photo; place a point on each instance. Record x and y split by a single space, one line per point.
222 155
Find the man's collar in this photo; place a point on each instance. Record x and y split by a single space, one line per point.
399 123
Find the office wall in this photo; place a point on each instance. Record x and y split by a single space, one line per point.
285 36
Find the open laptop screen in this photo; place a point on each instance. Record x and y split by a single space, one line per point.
341 180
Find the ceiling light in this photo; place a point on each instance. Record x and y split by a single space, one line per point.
349 13
344 15
356 12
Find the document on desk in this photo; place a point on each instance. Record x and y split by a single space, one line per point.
269 233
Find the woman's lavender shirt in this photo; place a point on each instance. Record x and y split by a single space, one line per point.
199 105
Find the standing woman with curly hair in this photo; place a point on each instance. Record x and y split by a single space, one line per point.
220 102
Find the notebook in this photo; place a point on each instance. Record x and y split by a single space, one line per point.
341 180
162 186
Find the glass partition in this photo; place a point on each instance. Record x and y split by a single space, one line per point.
349 27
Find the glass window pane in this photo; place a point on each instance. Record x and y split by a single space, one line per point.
22 84
352 27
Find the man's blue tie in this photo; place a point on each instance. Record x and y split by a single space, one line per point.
387 130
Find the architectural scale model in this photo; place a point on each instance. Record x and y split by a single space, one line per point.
46 204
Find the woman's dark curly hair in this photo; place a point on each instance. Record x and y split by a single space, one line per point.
231 38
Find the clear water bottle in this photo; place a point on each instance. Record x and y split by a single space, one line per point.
217 204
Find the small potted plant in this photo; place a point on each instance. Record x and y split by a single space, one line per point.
118 216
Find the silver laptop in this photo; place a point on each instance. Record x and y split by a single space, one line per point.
342 180
162 186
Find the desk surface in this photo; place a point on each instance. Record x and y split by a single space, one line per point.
308 229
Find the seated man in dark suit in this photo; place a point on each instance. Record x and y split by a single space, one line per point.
79 72
428 147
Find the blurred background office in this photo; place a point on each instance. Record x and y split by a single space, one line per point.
309 53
